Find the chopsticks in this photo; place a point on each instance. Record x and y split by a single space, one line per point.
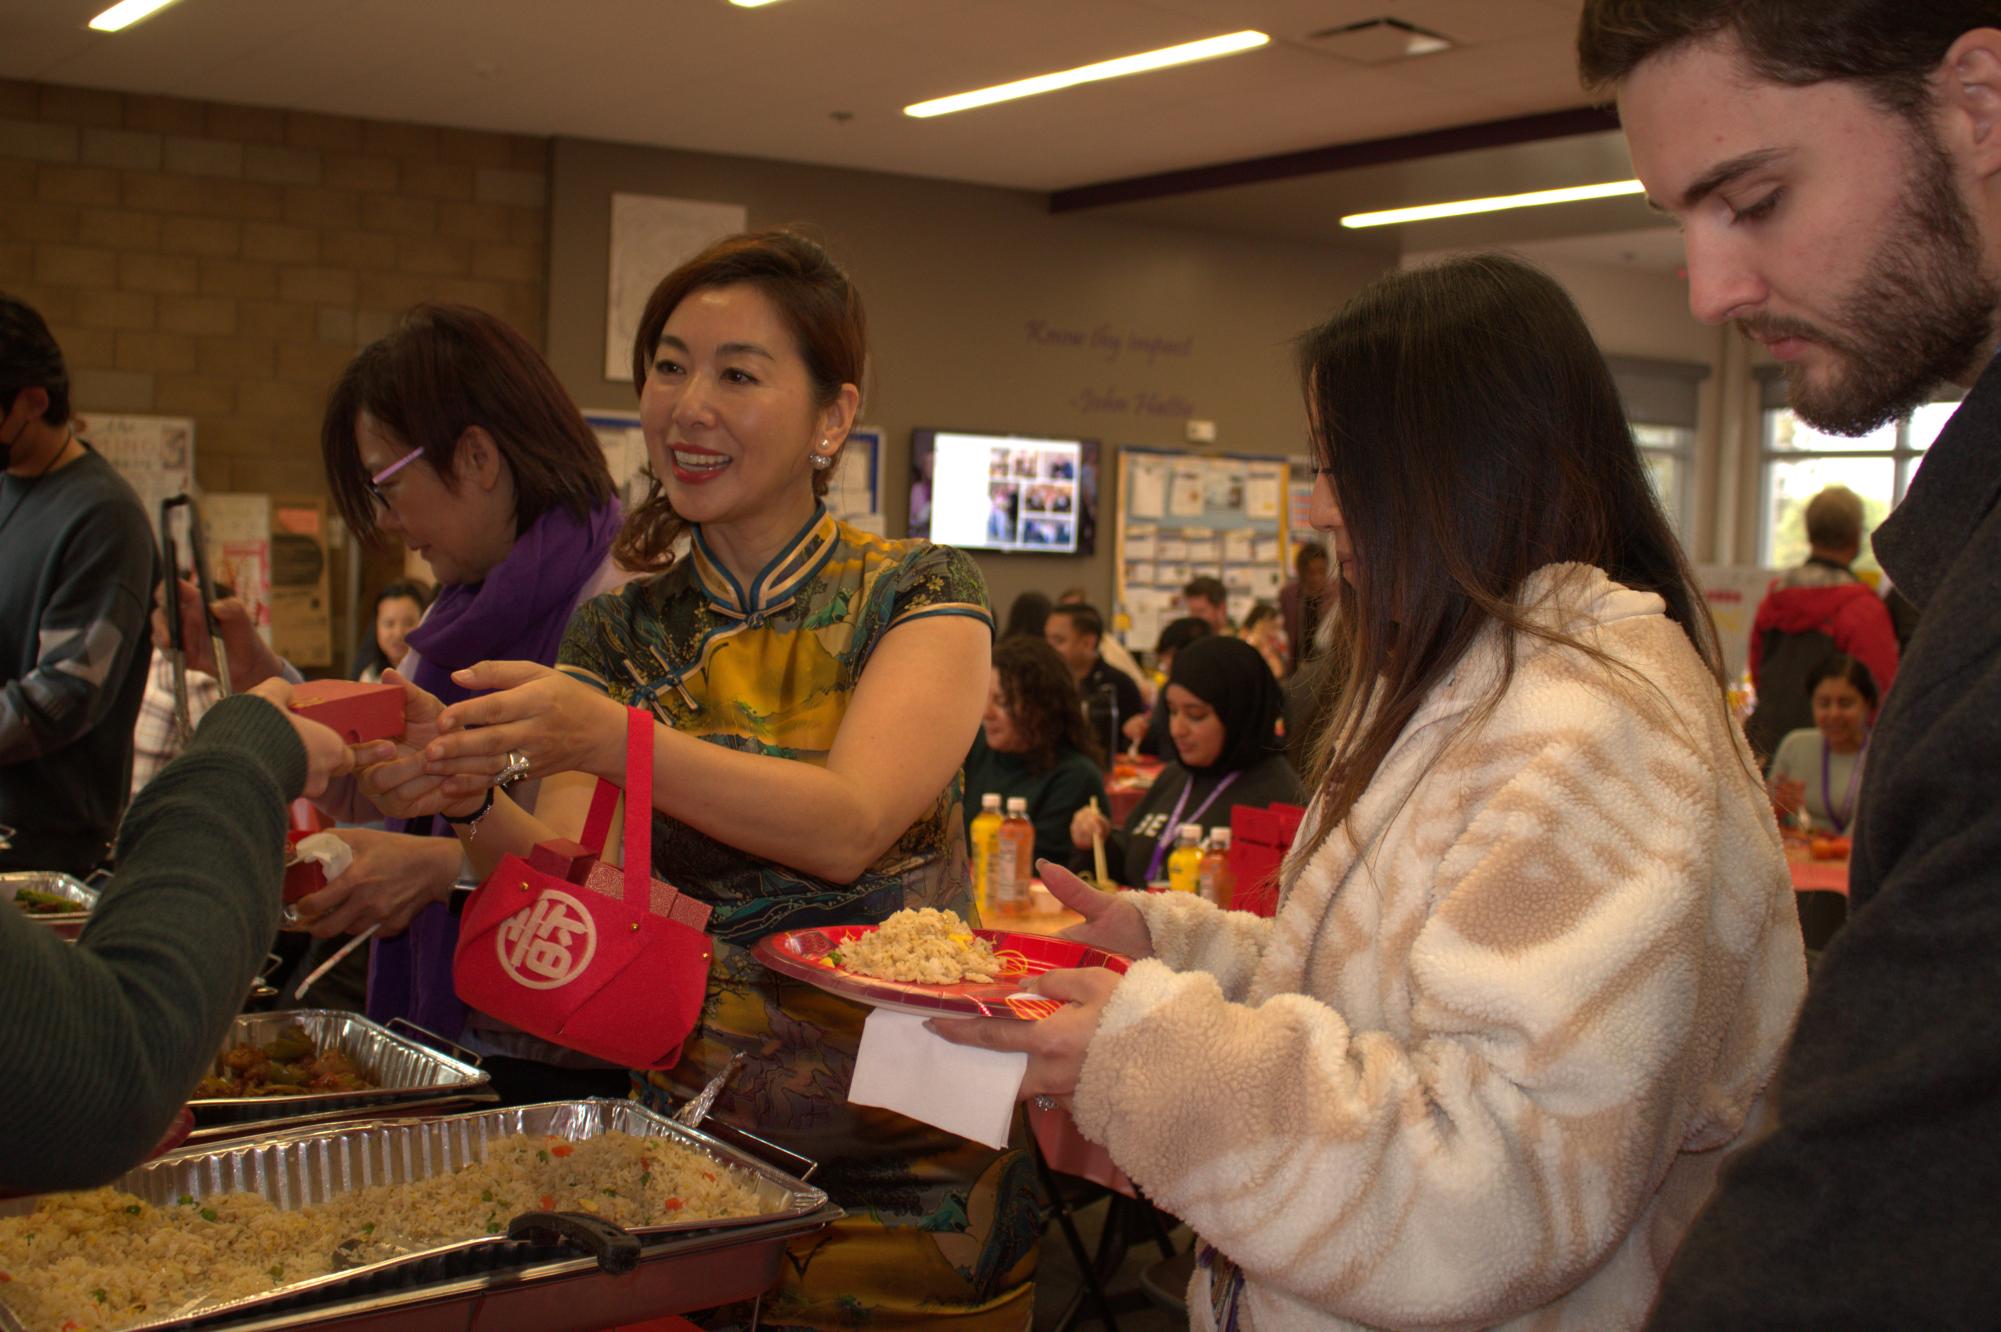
340 955
1098 848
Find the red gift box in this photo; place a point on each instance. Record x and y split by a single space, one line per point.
1259 839
356 712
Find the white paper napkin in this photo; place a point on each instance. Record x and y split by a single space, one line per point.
958 1088
333 853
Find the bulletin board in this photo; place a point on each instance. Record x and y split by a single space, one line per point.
624 453
1181 515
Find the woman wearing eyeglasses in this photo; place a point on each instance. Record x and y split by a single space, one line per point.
453 435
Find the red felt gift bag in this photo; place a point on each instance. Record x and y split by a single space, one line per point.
609 961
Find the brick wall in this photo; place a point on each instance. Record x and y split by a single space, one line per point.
224 262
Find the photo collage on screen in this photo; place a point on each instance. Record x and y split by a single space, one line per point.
1032 497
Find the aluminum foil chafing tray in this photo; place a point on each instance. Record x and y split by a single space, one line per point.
406 1074
66 923
484 1283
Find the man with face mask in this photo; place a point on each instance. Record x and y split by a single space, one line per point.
77 570
1835 166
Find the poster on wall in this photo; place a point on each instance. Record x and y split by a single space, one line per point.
650 236
239 550
854 492
301 595
1733 593
1183 516
624 452
155 454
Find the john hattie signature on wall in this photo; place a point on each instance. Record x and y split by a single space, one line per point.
1109 344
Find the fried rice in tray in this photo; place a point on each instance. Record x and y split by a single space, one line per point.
104 1259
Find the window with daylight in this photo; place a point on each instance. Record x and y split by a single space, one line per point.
1799 462
1661 400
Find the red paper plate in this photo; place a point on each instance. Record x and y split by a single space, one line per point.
802 955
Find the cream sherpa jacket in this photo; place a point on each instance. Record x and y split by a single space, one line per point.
1482 1073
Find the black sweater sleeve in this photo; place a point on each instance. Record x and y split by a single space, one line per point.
105 1039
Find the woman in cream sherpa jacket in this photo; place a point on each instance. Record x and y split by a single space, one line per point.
1536 952
1480 1072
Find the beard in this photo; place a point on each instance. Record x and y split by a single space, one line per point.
1917 320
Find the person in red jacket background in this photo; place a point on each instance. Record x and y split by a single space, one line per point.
1811 613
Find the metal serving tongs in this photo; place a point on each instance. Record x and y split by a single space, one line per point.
695 1115
177 654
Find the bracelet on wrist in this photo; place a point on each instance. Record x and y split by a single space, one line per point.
470 822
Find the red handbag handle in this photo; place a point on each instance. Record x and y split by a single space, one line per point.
638 809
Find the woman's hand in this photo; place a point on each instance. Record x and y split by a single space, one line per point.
1087 824
1056 1045
251 660
392 775
1135 726
327 755
1788 795
393 877
1111 921
559 724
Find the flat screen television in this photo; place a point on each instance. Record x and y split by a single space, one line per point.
1023 494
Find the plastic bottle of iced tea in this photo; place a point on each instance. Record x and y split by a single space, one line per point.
1184 863
985 838
1014 859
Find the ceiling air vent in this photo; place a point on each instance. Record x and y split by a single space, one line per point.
1378 41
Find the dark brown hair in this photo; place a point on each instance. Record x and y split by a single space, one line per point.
1042 700
1890 47
818 303
1473 435
1083 619
1843 667
30 358
441 371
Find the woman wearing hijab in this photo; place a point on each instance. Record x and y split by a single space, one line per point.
1222 714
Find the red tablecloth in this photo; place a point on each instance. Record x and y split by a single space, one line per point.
1070 1152
1810 875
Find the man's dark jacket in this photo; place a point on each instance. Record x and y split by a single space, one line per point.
1876 1203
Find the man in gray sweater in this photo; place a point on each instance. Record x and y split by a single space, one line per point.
1835 166
104 1040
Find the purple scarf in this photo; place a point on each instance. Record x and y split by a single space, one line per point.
518 613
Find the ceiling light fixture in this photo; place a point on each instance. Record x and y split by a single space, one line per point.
752 4
1390 217
126 13
1145 62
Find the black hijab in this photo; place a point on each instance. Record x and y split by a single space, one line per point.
1231 676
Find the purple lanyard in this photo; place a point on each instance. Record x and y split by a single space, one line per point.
1174 822
1839 817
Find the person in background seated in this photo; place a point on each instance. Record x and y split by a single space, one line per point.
129 1018
1536 953
1109 696
76 583
1112 650
1300 600
1033 743
1819 768
1223 707
399 608
1149 734
1205 598
1811 613
1026 614
1265 631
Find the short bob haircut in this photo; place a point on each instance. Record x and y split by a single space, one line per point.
818 303
441 371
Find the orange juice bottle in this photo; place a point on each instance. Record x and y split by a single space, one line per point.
985 838
1213 879
1014 859
1184 863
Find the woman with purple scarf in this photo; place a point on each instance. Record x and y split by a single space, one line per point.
453 435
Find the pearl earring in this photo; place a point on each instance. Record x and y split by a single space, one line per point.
822 460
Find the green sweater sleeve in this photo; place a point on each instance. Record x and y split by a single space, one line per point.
105 1039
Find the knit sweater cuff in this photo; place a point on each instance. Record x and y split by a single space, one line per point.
256 732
